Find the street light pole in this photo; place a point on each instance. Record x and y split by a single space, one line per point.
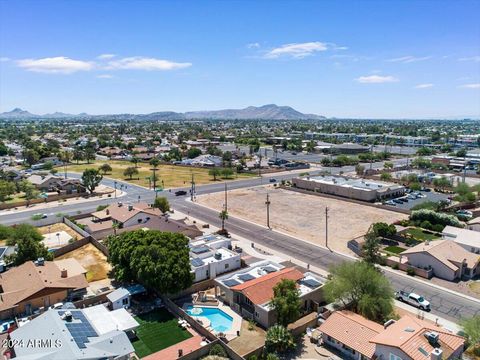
268 210
326 227
226 199
192 189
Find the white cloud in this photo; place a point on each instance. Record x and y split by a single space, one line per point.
106 56
471 86
254 45
376 79
296 50
104 76
55 65
471 58
409 59
144 63
423 86
4 59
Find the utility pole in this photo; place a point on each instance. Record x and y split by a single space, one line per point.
192 189
260 165
371 160
464 167
268 210
326 226
226 200
115 185
155 180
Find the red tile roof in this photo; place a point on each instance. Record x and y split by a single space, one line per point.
260 290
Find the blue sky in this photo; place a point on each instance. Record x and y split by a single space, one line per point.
368 59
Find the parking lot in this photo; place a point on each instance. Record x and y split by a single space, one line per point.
428 196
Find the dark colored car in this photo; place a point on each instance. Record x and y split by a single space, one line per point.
272 180
180 193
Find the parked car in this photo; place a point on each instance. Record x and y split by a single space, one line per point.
56 306
413 299
40 216
272 180
180 193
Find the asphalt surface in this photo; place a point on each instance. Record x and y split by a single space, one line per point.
445 304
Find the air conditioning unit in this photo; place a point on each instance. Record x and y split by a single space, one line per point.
432 337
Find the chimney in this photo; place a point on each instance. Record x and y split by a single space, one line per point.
64 273
107 212
130 207
436 354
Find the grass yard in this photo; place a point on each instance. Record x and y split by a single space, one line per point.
158 330
394 249
421 234
171 175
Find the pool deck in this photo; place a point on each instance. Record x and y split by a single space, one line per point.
236 319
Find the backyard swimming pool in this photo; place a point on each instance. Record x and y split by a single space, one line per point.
219 321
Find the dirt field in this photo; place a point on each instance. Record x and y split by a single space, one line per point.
92 260
59 227
302 215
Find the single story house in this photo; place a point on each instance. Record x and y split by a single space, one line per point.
40 284
446 258
249 291
468 239
44 182
358 338
92 333
474 224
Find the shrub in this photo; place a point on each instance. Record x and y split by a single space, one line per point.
395 267
411 272
101 207
217 350
437 228
434 218
426 225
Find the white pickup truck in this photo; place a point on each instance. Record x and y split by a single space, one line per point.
413 299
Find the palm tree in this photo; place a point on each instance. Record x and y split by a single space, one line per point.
154 162
223 216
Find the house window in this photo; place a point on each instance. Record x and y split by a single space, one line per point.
227 266
125 301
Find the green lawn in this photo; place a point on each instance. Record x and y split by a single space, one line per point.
421 235
171 175
395 249
158 330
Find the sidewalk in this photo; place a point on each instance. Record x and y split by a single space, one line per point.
54 204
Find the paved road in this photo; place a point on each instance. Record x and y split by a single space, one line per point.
447 305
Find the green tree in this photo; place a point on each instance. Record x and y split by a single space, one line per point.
214 172
130 171
362 287
105 168
218 350
28 241
388 165
385 176
155 162
162 204
7 188
91 178
286 301
371 248
227 173
134 160
5 232
29 189
31 156
382 229
23 232
360 169
442 183
279 339
471 328
159 260
193 152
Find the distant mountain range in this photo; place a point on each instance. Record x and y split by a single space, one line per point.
265 112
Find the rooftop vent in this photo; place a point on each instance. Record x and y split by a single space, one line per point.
40 261
432 337
388 323
218 256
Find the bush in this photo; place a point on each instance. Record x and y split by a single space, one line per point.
437 228
434 218
410 272
101 207
217 350
426 225
395 267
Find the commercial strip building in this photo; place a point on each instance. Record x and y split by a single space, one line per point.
250 290
357 189
408 338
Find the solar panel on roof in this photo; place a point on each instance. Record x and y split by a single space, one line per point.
311 283
269 269
196 262
231 282
200 250
246 277
81 329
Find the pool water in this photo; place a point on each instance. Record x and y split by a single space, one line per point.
219 321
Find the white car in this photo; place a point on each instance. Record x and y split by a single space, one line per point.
413 299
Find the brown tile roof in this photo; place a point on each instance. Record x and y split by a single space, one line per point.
352 330
408 334
260 290
446 251
24 281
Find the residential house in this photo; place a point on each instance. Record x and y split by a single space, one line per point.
211 256
44 182
126 215
408 338
446 258
204 160
468 239
474 224
71 186
249 291
34 285
93 333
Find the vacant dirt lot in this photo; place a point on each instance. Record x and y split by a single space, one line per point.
302 215
57 228
92 260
